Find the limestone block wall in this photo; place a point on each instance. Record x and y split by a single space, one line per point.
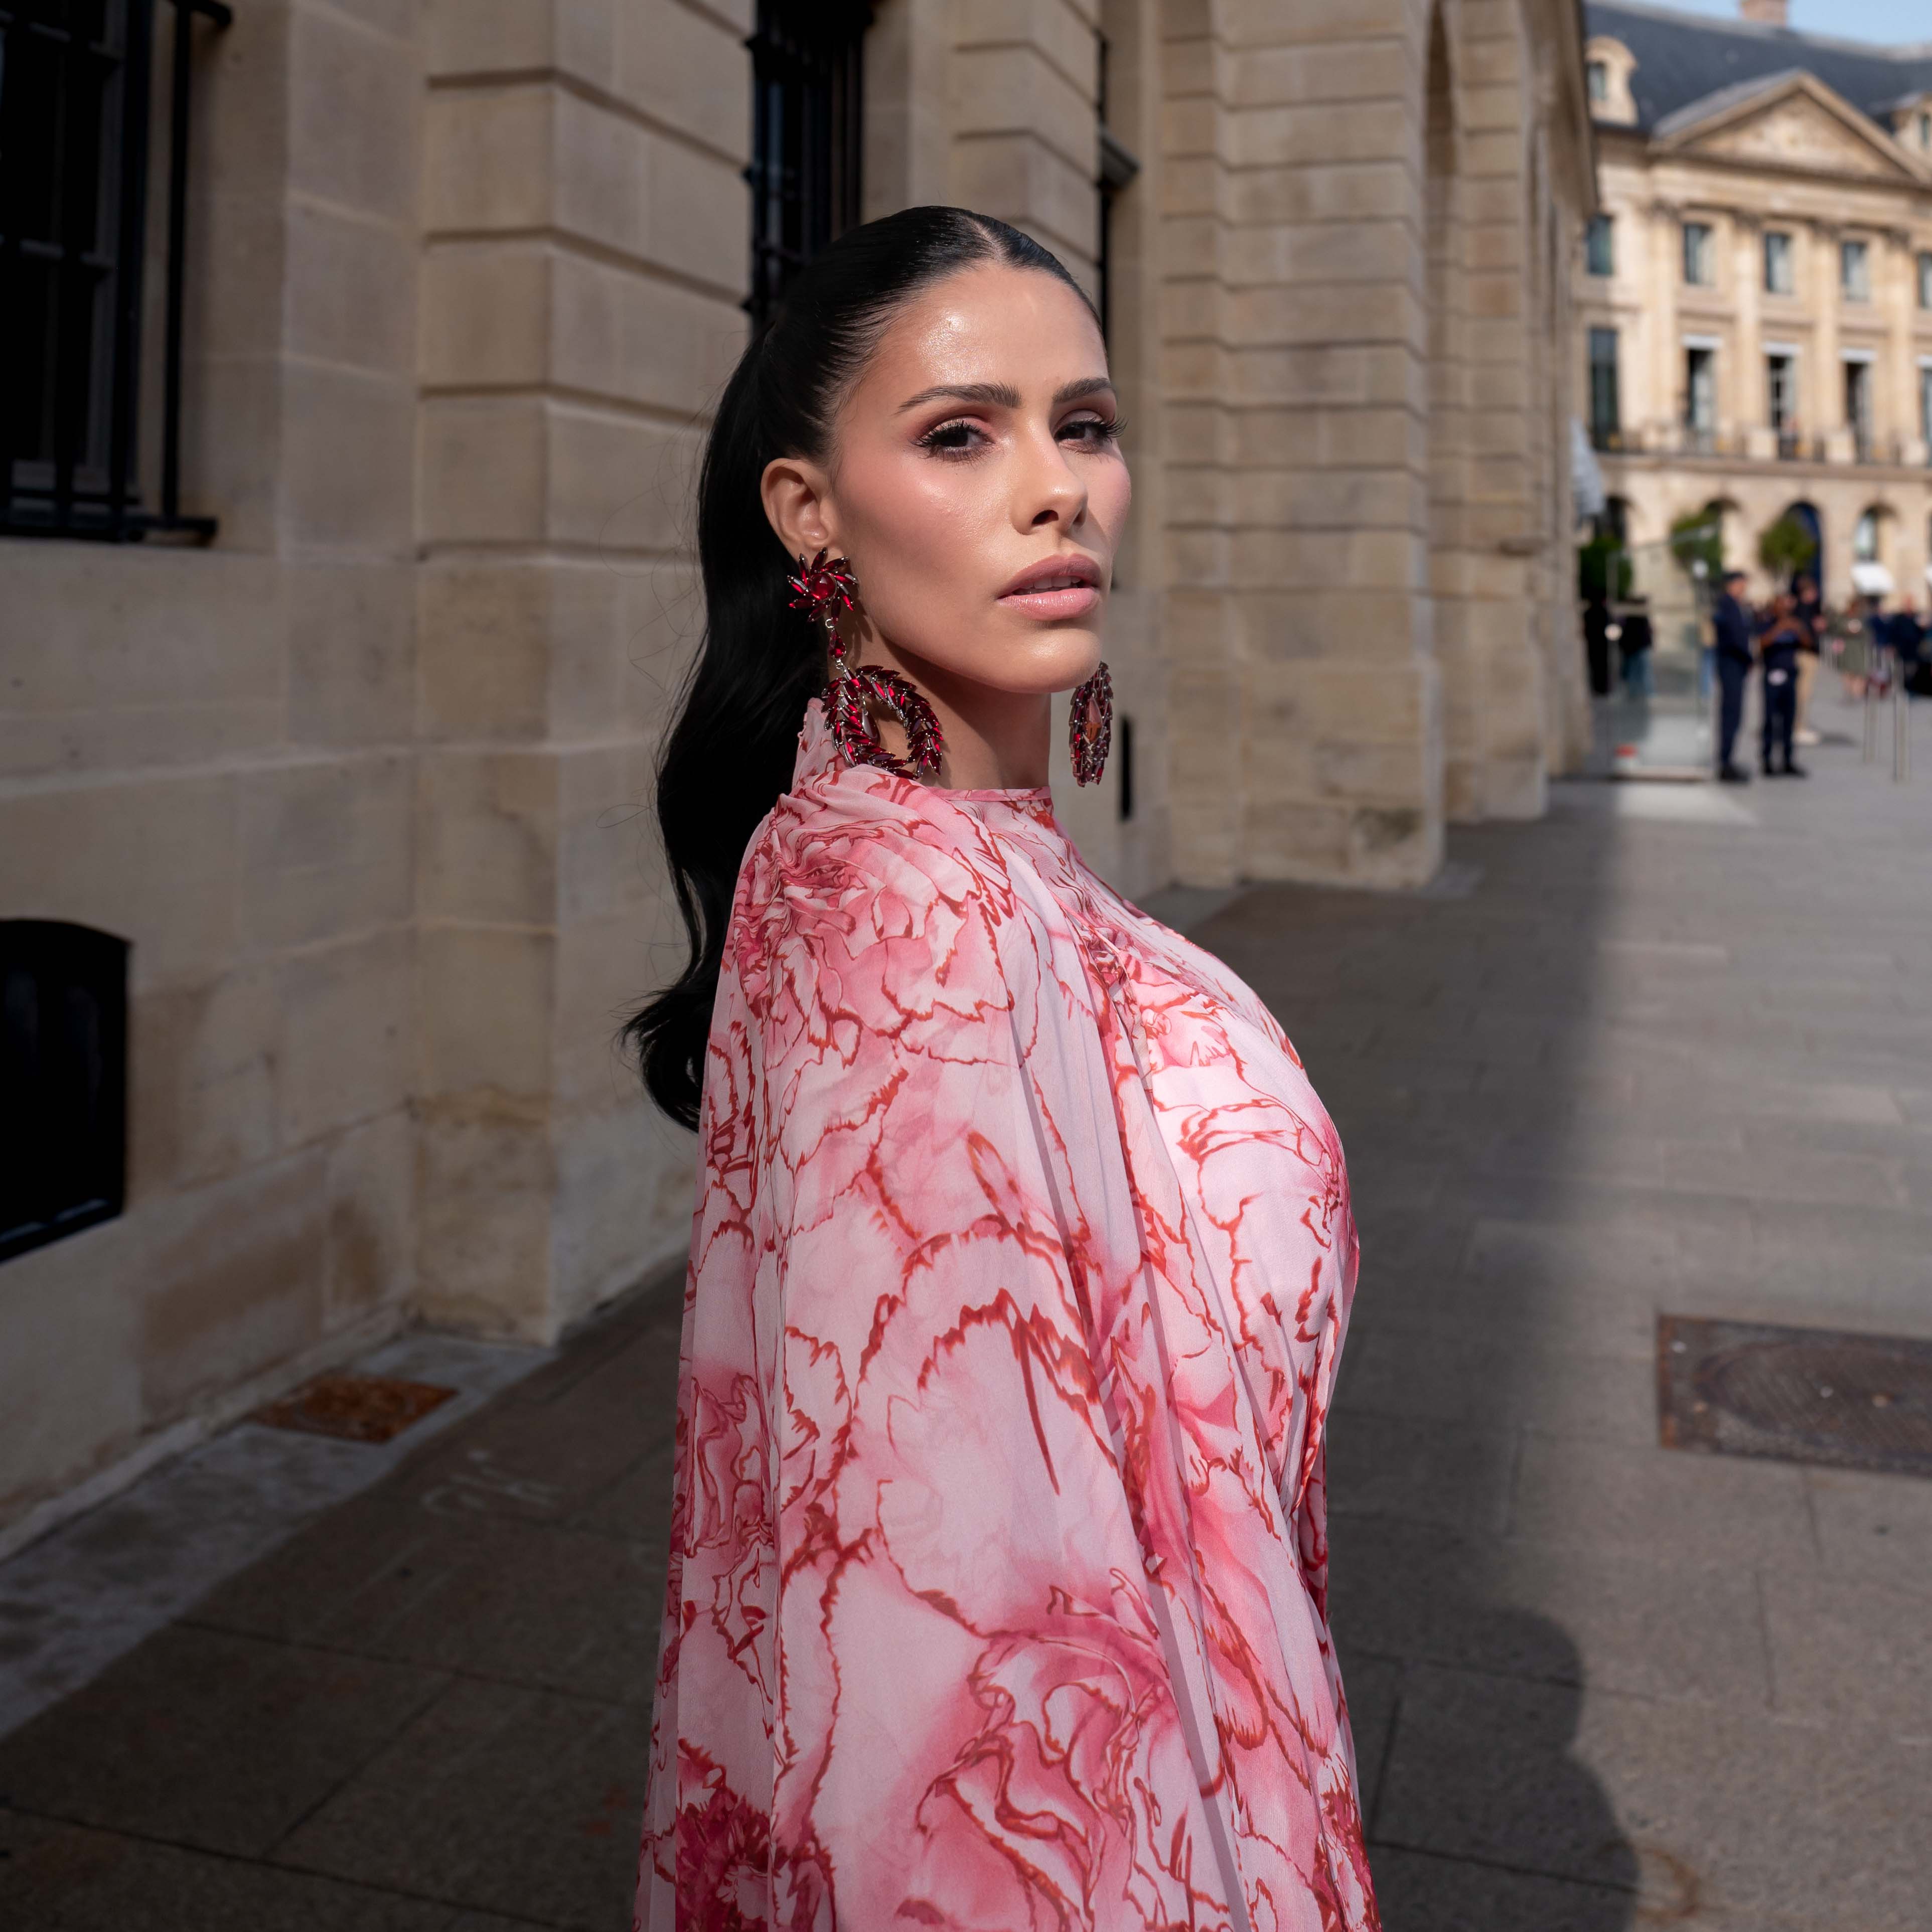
207 753
1363 445
1305 696
1023 80
367 785
584 258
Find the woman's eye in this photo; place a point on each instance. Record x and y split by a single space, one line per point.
951 439
1094 432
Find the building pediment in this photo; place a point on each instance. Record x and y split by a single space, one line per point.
1791 121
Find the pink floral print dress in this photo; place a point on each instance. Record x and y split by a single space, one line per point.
1018 1282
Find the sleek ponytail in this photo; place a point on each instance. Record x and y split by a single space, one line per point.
728 757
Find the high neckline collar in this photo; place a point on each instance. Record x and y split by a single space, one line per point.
819 762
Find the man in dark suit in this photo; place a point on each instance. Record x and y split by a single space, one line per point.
1731 622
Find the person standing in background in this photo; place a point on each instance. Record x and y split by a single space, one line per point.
1597 644
1906 636
1811 612
1780 648
1731 624
1635 643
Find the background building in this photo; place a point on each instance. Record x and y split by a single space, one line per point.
397 370
1755 307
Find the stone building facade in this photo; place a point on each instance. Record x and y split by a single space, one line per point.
1754 310
363 779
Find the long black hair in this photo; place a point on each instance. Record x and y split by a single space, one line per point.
728 756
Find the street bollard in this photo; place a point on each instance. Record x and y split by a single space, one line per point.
1871 751
1901 732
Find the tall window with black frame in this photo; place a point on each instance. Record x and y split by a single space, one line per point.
808 70
77 85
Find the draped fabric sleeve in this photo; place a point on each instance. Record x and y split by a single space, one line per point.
912 1670
1015 1290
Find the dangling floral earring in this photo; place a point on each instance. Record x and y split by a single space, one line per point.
825 589
1089 726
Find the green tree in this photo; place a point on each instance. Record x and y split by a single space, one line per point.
1695 538
1786 547
1603 568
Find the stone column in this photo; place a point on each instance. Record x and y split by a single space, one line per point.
1305 707
1825 383
585 257
1664 400
1025 140
1750 410
1895 406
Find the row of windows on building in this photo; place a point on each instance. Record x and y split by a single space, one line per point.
1780 260
1780 399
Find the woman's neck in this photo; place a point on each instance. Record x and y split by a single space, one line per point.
995 740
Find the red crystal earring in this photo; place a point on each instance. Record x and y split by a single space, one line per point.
1089 726
825 588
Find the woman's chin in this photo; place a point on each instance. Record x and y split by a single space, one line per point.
1027 661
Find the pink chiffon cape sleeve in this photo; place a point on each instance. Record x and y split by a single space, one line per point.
1018 1276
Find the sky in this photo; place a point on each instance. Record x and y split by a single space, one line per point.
1892 22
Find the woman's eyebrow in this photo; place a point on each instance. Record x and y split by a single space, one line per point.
1002 395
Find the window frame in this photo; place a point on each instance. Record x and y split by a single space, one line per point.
1855 287
1698 253
66 1156
1787 255
1694 390
78 474
1602 229
1923 261
806 171
1606 383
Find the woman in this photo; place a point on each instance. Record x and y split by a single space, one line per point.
1781 642
1024 1254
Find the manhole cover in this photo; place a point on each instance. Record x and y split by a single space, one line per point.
1804 1395
362 1408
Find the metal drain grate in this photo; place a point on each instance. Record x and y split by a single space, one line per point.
360 1409
1802 1395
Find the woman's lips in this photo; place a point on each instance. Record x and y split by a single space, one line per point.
1075 600
1050 593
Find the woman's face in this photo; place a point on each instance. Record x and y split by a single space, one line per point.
976 485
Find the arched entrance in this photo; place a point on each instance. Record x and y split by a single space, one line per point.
1806 516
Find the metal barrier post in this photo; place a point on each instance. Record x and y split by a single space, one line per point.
1901 732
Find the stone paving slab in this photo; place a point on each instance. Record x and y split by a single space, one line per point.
1655 1053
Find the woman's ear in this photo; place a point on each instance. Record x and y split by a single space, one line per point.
795 491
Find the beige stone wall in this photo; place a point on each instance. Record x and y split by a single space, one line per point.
1823 187
1359 445
208 753
584 256
367 783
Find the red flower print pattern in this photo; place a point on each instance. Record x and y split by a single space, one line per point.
998 1575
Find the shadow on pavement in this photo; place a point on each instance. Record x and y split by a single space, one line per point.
1442 1030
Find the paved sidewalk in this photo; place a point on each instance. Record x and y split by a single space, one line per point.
1670 1050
